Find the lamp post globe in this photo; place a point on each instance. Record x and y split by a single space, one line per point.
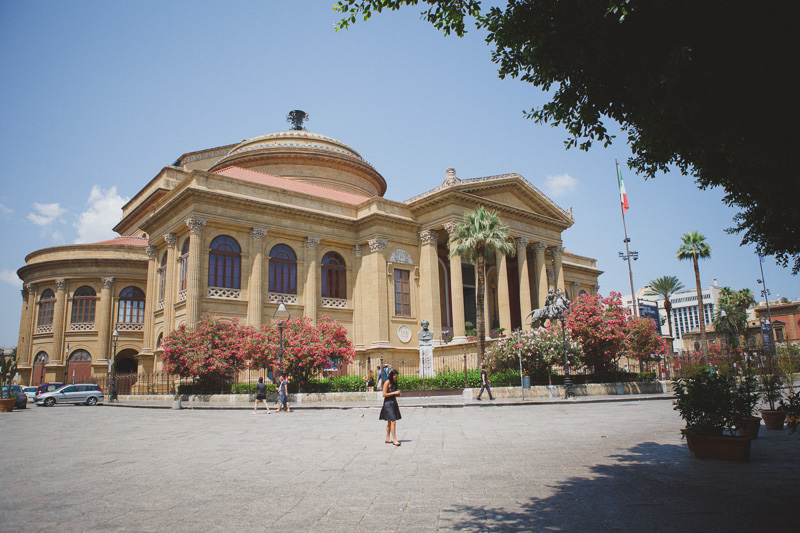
113 391
281 311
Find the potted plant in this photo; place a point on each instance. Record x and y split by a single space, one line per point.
791 407
470 331
8 368
771 392
705 402
745 399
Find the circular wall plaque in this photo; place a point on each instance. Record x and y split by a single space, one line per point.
404 333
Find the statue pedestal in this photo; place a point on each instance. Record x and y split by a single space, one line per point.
426 362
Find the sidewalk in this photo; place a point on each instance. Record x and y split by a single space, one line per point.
449 401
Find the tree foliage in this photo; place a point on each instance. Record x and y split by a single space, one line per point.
696 86
600 325
540 348
642 341
477 239
220 348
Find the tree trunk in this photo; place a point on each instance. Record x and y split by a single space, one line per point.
480 301
668 309
700 315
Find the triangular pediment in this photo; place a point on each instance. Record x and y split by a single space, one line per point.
507 192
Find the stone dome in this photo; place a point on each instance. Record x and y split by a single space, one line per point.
307 157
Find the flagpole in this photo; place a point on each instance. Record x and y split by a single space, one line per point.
627 255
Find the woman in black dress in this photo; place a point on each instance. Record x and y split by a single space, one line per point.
391 411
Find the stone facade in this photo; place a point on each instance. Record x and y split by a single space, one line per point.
295 217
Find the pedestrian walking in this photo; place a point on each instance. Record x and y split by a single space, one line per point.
261 395
370 381
379 377
391 411
485 383
283 394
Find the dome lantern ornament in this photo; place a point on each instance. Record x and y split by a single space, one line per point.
296 119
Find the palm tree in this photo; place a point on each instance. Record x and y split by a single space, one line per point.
730 321
477 239
665 286
695 247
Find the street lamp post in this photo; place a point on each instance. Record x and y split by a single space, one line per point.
113 392
281 324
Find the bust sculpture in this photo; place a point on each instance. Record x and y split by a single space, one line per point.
425 336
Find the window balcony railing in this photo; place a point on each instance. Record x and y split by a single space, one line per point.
339 303
222 292
182 295
130 326
81 326
278 297
45 329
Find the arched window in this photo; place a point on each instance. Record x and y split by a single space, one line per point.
282 270
42 357
162 278
80 355
334 276
184 264
83 302
224 263
47 303
131 306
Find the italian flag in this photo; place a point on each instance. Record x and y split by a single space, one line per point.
623 196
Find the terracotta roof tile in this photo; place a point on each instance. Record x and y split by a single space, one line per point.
128 241
290 185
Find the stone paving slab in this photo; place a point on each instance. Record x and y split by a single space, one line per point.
580 466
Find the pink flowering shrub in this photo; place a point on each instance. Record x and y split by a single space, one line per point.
600 326
216 347
642 342
541 349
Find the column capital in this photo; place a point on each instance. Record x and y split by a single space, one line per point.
596 289
152 251
108 282
196 224
258 234
171 239
312 243
557 251
450 228
377 244
429 236
539 247
24 292
61 284
30 287
521 242
356 250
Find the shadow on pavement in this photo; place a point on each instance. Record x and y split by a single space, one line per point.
659 488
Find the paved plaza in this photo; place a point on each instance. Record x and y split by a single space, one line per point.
546 467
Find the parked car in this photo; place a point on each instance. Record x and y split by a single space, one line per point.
30 392
16 390
87 393
47 387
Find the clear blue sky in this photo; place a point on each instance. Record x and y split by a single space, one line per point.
98 96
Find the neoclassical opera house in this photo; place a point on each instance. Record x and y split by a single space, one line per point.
297 217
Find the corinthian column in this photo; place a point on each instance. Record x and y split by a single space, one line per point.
25 323
104 317
255 285
524 279
58 321
376 295
193 281
359 311
429 300
456 294
541 273
151 296
503 297
311 289
170 290
558 269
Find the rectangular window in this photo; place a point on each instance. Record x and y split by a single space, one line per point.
402 293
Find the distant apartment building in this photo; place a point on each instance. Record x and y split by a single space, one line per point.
685 318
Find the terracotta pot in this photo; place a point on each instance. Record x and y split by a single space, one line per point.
748 427
773 419
724 448
7 404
